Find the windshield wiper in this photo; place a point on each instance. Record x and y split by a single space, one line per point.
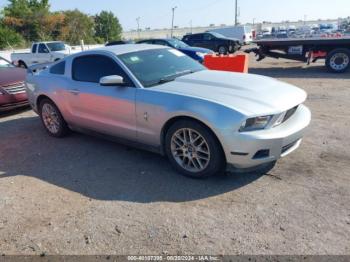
172 77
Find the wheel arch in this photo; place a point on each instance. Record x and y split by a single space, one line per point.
22 62
41 98
174 119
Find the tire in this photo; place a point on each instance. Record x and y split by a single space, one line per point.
52 119
338 60
207 158
57 59
223 50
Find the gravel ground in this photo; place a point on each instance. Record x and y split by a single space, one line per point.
85 195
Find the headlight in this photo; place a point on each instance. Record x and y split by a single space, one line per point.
280 119
200 54
255 123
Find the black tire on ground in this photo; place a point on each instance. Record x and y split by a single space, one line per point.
338 60
217 162
223 50
57 59
22 65
62 127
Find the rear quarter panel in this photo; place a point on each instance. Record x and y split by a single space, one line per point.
48 85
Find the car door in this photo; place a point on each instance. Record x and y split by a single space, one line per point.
208 41
43 55
196 40
106 109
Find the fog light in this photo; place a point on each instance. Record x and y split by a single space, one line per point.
262 154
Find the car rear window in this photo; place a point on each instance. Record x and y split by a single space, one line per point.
58 69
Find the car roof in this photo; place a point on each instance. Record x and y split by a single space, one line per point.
129 48
47 42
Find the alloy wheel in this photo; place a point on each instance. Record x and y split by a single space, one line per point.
50 118
190 150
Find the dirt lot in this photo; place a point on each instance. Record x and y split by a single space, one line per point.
84 195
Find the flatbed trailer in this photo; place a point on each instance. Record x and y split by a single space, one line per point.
335 51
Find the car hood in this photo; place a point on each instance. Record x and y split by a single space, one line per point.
196 49
12 75
248 94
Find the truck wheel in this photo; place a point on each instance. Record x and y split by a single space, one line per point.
194 150
338 60
22 65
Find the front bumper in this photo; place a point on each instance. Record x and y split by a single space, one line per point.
252 149
9 102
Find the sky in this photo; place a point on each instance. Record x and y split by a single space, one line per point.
157 13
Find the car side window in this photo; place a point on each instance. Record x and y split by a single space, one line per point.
208 37
43 49
59 68
91 68
197 37
160 42
34 48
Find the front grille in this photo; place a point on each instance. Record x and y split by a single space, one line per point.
290 113
15 89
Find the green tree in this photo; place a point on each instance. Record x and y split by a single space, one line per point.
107 26
77 26
28 18
9 38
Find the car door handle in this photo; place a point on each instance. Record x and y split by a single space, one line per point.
74 91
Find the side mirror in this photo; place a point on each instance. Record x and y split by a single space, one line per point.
114 80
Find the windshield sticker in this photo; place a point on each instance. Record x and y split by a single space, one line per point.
176 52
134 59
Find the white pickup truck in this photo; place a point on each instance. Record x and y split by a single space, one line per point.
41 52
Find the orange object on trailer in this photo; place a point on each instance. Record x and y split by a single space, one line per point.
232 63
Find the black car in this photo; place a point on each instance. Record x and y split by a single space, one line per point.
119 42
213 41
196 53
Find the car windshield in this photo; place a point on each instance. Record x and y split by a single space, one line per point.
4 63
158 66
177 43
57 46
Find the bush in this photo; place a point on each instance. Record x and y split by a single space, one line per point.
9 38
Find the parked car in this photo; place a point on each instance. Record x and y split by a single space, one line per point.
196 53
242 33
12 88
119 42
213 41
162 100
41 52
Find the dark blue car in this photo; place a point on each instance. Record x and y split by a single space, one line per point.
196 53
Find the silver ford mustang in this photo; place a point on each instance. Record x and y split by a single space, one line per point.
158 98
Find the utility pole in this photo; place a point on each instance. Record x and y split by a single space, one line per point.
138 27
236 12
172 21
